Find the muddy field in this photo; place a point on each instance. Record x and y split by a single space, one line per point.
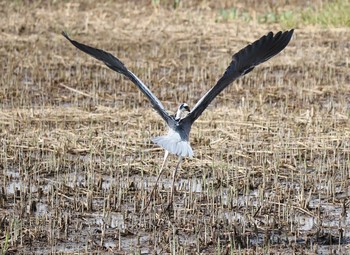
271 171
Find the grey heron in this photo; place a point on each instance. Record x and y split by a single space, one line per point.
176 141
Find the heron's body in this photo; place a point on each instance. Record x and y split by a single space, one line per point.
174 143
177 139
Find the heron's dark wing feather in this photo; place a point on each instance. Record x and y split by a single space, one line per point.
116 65
242 63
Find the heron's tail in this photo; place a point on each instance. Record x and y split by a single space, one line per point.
174 145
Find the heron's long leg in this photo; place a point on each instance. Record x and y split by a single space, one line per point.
166 154
173 182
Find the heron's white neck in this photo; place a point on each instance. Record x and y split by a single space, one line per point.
178 114
182 112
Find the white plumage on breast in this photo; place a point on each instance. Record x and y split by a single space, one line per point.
173 143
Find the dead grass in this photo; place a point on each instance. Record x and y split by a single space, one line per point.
272 154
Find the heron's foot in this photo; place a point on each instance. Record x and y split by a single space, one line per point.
149 198
170 206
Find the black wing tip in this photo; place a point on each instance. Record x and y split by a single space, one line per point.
64 33
286 37
287 34
280 40
279 33
291 31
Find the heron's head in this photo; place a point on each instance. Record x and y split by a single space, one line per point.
182 111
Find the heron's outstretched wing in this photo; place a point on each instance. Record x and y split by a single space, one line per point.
242 63
116 65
